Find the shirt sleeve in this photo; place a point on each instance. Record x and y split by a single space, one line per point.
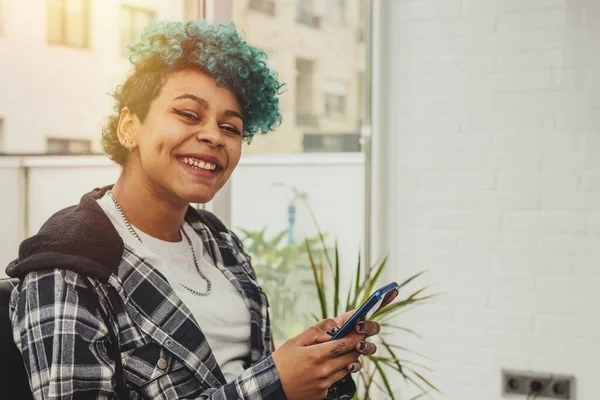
62 340
65 343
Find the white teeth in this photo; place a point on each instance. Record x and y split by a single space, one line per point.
198 163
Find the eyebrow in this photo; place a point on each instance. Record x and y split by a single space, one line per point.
204 104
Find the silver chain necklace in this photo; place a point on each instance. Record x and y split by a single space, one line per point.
187 238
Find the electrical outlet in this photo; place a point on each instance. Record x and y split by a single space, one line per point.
549 386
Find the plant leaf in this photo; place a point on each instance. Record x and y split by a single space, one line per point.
357 284
418 292
398 305
276 240
384 377
398 362
320 290
373 280
411 380
401 328
322 239
389 349
380 388
421 377
394 346
412 278
369 379
418 396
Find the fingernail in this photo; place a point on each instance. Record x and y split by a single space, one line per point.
362 346
335 329
362 327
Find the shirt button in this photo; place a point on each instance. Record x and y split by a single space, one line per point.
162 363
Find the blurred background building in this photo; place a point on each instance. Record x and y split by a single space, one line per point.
57 52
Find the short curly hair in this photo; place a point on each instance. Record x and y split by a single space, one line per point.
216 50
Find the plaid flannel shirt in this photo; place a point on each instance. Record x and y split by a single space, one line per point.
65 342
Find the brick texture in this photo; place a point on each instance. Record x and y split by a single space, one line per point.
492 114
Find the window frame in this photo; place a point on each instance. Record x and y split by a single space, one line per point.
373 142
199 9
68 142
132 11
2 19
64 16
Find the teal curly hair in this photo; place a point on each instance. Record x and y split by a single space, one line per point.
217 50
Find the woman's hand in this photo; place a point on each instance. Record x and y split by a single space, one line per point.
366 328
309 363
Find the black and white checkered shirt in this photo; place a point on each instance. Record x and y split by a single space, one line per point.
77 271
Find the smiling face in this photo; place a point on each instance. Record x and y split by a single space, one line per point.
189 142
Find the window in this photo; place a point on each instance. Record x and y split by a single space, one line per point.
332 143
133 21
193 10
360 32
299 172
335 98
68 22
306 15
1 17
68 146
1 135
263 6
334 104
305 112
336 13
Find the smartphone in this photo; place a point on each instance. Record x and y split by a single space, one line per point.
367 309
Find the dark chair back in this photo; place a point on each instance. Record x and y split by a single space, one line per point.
13 377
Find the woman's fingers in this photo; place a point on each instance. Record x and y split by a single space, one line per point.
366 348
328 325
389 298
354 367
368 328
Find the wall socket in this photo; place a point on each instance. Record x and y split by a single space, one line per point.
549 386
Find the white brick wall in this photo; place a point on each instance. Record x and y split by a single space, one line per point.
494 153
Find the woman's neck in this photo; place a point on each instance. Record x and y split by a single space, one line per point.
149 209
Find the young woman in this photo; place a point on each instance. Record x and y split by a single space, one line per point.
134 294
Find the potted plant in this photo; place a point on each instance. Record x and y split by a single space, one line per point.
295 274
283 271
390 358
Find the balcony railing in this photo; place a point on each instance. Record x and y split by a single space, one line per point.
263 6
332 143
308 120
308 18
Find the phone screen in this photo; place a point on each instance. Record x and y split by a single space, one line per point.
375 307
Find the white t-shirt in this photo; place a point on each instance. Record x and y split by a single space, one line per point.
223 315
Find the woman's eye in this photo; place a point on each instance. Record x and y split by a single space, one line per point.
231 129
187 115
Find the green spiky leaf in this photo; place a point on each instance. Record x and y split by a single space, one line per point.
384 378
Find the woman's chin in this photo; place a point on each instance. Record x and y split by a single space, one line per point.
196 192
199 198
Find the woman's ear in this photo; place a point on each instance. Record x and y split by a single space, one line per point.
126 130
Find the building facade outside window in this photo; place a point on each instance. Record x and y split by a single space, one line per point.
133 21
68 23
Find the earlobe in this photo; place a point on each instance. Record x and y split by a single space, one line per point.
126 129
